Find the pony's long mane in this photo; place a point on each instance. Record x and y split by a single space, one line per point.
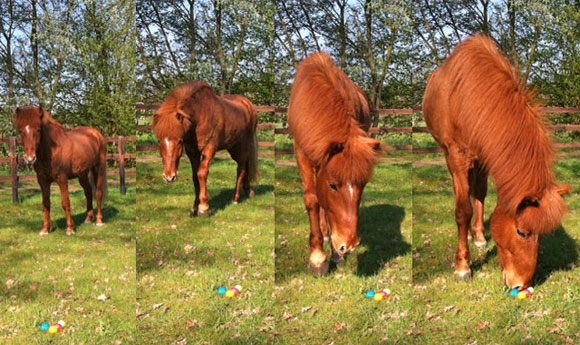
501 120
165 120
326 107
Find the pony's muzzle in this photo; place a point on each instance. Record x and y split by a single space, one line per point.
170 178
29 159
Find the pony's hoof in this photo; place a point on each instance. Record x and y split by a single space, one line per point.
43 233
204 214
251 194
480 244
70 232
337 259
319 270
100 223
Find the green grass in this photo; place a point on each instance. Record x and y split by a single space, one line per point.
87 280
480 311
333 308
182 261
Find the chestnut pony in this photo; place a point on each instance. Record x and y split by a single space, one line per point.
487 122
58 155
328 116
195 118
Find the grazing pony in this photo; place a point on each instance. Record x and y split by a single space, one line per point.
328 116
487 122
194 117
59 155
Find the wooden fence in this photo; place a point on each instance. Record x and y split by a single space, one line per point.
408 112
120 157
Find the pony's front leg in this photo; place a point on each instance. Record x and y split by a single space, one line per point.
63 185
45 188
194 160
208 155
318 261
459 167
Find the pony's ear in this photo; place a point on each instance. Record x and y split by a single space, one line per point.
334 149
563 190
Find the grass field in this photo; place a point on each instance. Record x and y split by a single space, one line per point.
333 309
87 280
182 261
479 311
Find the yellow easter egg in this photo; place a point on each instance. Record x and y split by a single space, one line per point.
230 293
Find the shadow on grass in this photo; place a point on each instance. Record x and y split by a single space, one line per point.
225 197
380 232
558 252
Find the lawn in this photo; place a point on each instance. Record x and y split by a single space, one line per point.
182 261
86 280
333 309
480 311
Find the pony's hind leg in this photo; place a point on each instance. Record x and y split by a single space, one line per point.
459 166
478 181
87 188
100 187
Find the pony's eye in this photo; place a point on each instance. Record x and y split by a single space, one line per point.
334 187
521 233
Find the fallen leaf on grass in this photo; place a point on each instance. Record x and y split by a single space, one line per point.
157 306
102 297
192 323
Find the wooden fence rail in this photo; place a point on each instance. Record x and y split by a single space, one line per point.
121 157
377 130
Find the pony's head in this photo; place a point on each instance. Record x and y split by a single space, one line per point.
28 123
169 130
340 182
518 234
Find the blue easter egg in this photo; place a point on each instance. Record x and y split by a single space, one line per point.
514 293
44 327
371 294
222 290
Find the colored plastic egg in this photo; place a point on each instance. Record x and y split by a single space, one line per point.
222 290
378 297
44 327
370 294
514 293
53 330
230 293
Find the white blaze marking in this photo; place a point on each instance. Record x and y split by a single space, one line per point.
351 190
27 129
167 143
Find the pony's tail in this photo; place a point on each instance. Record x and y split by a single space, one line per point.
253 173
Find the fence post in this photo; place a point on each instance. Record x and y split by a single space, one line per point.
121 147
14 170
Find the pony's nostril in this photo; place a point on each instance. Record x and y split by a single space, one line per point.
342 249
